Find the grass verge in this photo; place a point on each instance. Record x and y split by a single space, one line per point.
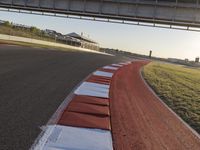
33 45
179 87
24 33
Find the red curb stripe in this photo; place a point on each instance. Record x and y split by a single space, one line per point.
98 81
85 120
107 70
88 109
91 100
94 77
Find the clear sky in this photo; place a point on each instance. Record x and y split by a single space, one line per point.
163 42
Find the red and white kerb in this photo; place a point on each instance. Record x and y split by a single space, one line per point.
85 122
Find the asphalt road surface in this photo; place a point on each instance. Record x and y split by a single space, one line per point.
33 83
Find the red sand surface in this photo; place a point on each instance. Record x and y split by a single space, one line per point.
140 121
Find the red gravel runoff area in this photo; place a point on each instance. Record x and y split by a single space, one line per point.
139 120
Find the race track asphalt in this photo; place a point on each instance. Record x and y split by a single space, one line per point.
33 83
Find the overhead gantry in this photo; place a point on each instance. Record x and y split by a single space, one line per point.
178 14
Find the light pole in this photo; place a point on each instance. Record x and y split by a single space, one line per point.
150 53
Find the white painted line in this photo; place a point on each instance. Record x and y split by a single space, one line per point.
73 138
111 67
117 65
93 89
103 73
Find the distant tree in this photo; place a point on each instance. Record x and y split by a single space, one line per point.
42 33
7 24
35 30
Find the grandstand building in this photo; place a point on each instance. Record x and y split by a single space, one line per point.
83 41
73 39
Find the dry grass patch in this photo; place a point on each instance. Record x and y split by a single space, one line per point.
179 87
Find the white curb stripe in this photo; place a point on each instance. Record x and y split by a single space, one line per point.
103 73
110 67
117 65
94 86
73 138
91 93
124 63
93 89
98 85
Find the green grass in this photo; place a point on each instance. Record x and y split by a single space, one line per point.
179 87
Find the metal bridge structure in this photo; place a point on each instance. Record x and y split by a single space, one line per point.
176 14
